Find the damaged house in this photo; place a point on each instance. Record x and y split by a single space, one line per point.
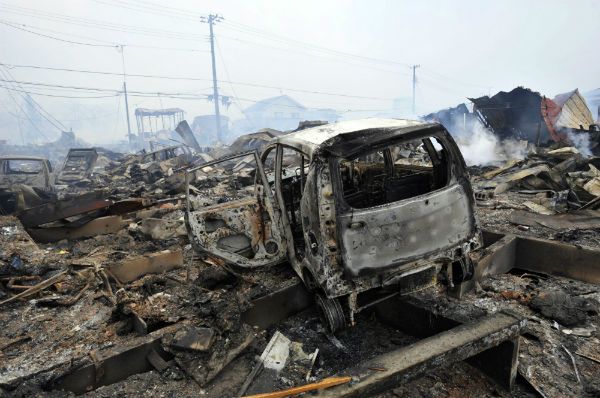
515 114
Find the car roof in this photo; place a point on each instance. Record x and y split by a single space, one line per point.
361 133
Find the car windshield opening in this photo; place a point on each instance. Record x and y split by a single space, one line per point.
22 166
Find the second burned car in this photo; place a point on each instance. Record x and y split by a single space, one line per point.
361 210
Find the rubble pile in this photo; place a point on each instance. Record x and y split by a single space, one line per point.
182 272
552 191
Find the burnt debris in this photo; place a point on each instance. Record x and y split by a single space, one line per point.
350 259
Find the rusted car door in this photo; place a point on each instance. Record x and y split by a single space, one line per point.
245 232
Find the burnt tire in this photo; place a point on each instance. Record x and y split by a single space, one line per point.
331 312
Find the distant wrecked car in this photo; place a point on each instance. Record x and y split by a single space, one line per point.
79 165
24 181
154 165
361 209
27 170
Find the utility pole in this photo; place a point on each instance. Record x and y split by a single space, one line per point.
212 18
414 86
126 102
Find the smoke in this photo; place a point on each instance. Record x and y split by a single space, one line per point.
480 146
581 141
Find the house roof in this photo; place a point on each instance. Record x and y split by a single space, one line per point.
282 100
350 136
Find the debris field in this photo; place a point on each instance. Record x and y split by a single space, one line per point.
361 258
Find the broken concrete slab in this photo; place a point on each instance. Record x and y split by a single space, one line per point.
136 267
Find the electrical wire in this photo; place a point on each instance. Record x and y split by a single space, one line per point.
56 38
60 96
97 24
227 74
20 108
129 6
31 29
200 79
293 50
41 111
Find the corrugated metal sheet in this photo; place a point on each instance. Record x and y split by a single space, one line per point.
566 111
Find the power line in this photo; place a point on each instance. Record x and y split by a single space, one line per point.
97 24
445 78
227 74
149 10
199 79
295 50
60 96
42 112
96 89
275 37
19 107
185 96
157 9
30 29
56 38
165 8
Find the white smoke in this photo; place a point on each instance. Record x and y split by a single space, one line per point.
581 141
482 147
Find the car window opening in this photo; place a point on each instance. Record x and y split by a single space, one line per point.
24 167
394 173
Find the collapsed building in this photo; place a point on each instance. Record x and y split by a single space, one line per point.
349 259
523 114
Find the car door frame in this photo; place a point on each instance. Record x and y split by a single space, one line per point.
270 206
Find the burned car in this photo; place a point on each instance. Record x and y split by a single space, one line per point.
156 164
24 182
79 165
361 209
28 170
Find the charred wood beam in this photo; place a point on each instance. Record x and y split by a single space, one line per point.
53 211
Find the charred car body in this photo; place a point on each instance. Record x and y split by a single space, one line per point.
154 165
79 164
362 210
24 182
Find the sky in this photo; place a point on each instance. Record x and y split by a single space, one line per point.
347 55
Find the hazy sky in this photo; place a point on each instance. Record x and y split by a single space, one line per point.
465 48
